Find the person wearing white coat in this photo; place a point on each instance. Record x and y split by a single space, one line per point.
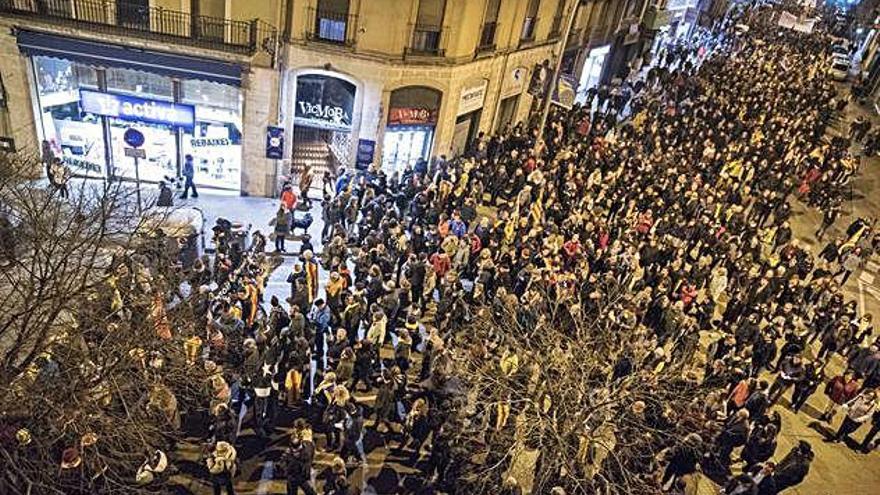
718 283
858 412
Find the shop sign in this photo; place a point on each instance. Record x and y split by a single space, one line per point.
515 82
366 152
564 94
135 109
324 102
412 116
275 142
472 98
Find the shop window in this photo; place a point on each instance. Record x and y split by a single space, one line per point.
70 133
143 84
215 140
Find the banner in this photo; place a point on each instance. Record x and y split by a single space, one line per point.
565 91
366 151
275 142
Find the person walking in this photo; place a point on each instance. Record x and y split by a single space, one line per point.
858 412
221 464
189 172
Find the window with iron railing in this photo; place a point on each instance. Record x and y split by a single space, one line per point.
529 22
487 36
138 18
332 22
426 40
490 26
528 29
556 27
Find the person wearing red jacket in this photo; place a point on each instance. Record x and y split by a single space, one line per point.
840 390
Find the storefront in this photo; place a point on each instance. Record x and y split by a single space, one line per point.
323 120
412 120
88 94
470 110
591 74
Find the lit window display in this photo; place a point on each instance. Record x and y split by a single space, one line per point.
143 101
159 140
215 140
72 134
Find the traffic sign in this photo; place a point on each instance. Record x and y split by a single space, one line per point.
133 138
135 153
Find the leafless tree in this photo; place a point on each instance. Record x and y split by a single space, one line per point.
92 354
589 430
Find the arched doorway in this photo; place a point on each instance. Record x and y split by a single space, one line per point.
323 112
409 134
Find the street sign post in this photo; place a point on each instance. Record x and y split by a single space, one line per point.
135 139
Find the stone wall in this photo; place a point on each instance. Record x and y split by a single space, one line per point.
20 106
260 90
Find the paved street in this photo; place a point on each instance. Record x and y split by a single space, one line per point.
836 468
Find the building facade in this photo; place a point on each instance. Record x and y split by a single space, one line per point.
324 83
196 78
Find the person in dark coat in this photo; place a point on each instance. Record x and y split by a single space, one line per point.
682 459
734 435
297 464
791 470
760 446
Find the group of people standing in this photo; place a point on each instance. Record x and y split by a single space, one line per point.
683 209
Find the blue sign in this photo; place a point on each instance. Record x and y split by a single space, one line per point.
133 138
365 153
275 142
137 109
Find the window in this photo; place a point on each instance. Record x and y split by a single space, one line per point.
331 20
490 25
139 83
5 127
74 136
215 140
528 27
556 28
133 13
429 22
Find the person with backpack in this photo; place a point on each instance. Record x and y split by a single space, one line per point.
297 463
222 465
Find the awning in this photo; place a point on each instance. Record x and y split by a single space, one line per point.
110 55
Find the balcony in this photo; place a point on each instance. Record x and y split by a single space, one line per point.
130 19
487 37
332 27
527 34
426 41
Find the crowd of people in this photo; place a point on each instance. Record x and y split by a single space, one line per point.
683 207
